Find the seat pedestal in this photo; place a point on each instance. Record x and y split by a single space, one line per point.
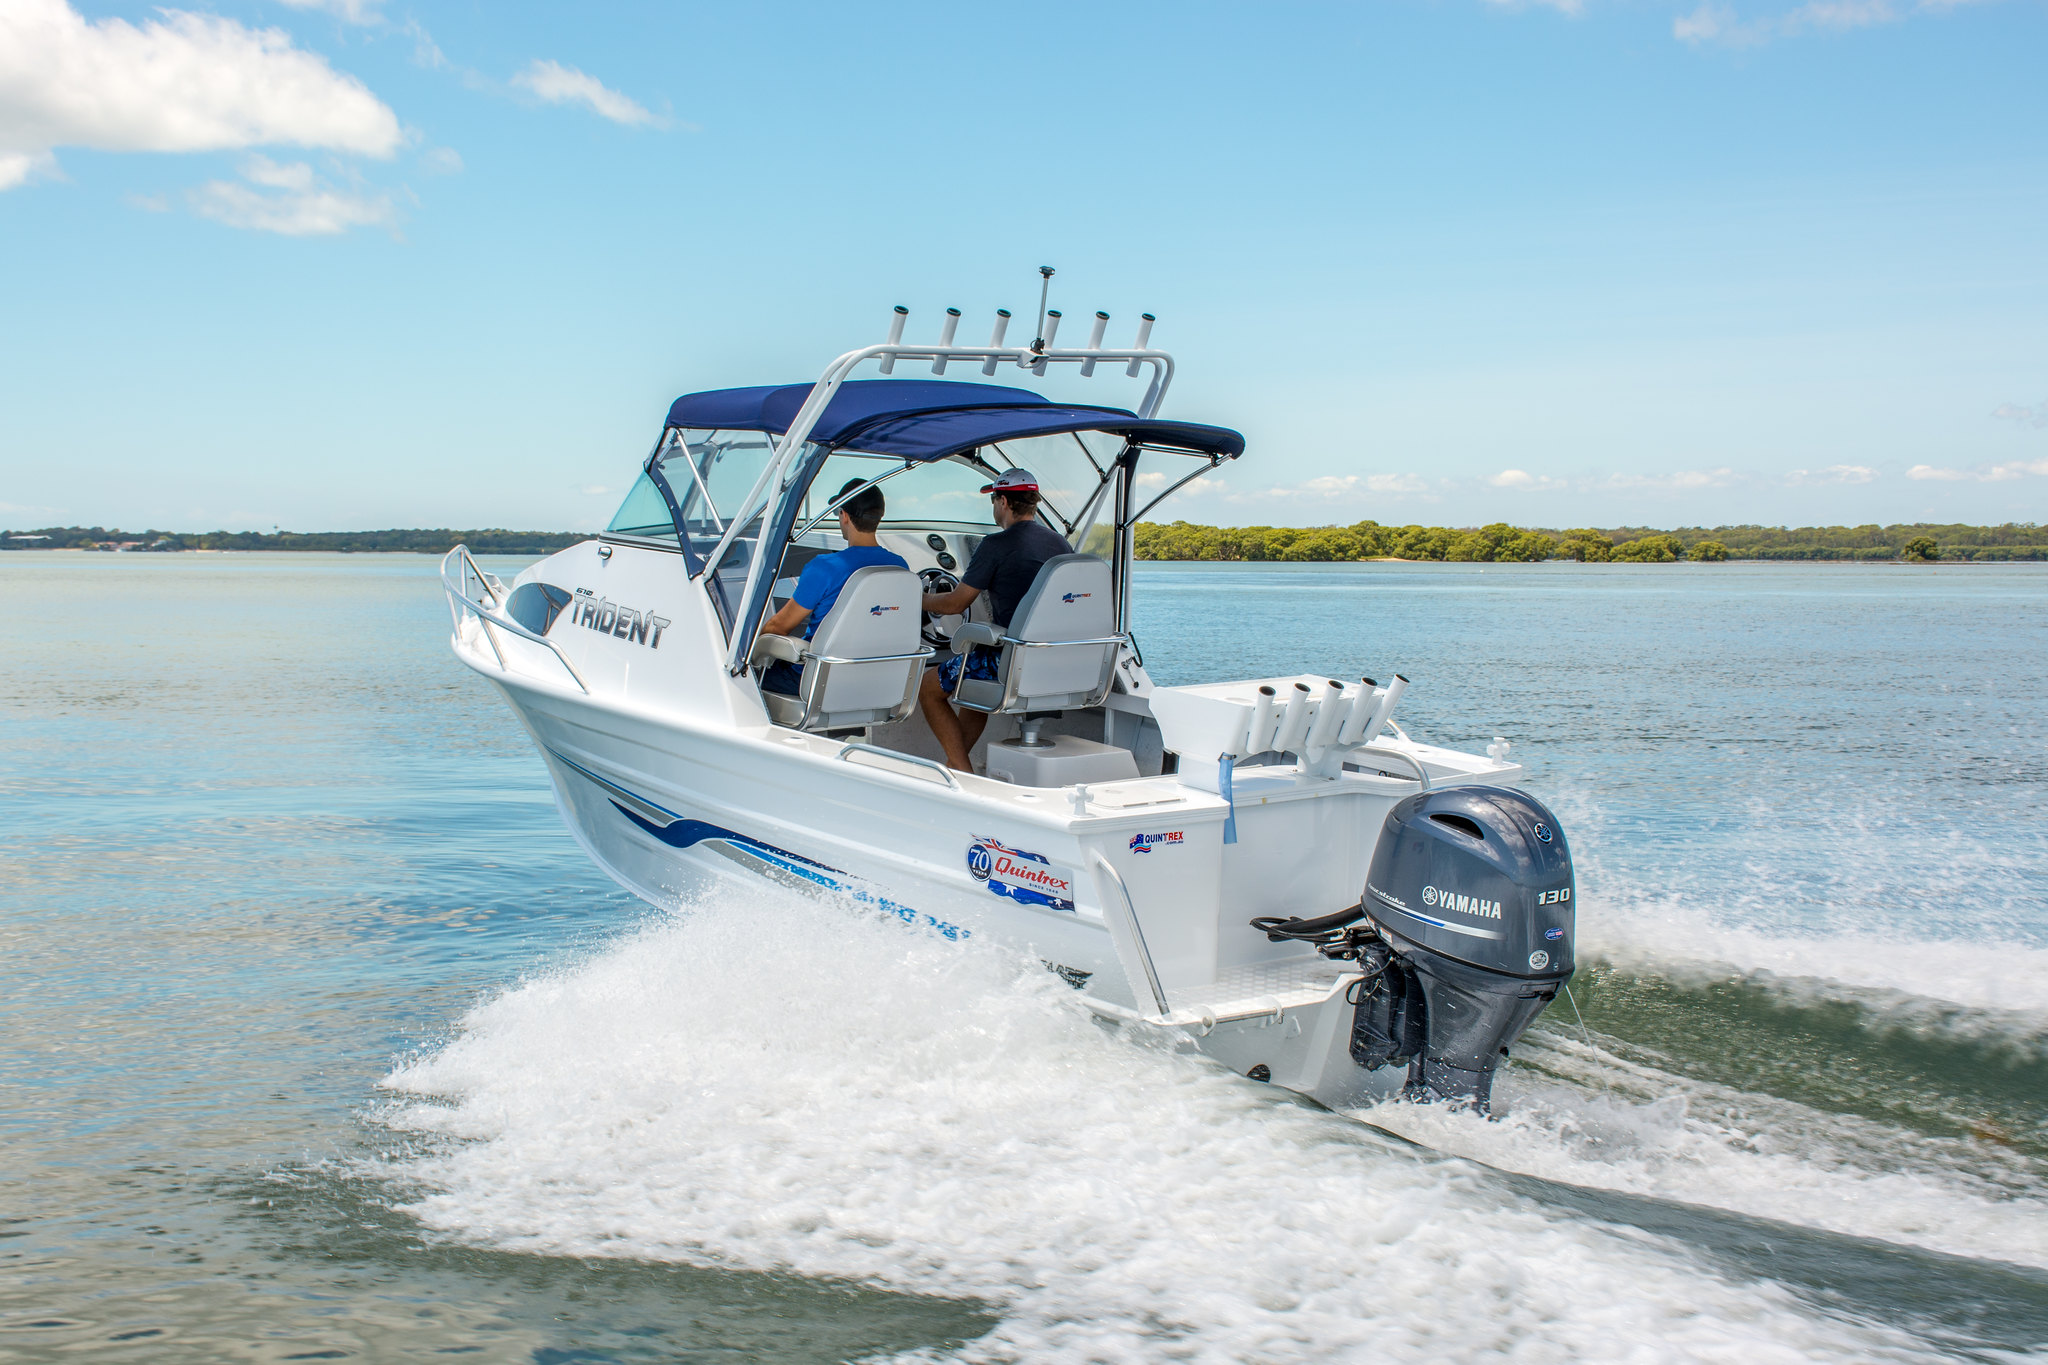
1058 761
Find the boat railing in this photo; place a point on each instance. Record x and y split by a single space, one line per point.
919 760
456 583
1128 921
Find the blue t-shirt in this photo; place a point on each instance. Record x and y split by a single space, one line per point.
817 588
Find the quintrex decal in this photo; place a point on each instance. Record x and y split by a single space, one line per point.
607 617
1028 878
1145 843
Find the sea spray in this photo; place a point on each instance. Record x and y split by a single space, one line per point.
773 1081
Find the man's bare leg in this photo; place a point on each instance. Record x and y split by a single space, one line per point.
972 723
946 727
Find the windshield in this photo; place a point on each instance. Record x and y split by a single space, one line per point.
643 514
939 495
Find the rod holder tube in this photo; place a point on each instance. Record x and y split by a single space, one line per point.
896 321
1258 735
1384 712
946 332
1361 711
1052 330
1094 343
995 338
1329 716
1294 721
1145 321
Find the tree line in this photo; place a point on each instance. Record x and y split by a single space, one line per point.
1497 542
1501 543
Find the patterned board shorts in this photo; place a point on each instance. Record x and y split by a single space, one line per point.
981 665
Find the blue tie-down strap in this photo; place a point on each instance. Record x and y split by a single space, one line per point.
1230 802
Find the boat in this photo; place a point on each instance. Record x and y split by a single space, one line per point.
1271 870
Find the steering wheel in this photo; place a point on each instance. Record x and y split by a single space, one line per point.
938 630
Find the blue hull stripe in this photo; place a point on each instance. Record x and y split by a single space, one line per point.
680 831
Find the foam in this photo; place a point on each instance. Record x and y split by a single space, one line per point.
1881 904
1994 986
780 1083
1656 1134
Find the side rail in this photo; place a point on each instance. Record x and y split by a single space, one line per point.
459 573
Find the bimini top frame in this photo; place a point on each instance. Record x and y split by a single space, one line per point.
919 421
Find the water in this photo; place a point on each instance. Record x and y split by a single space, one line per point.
322 1040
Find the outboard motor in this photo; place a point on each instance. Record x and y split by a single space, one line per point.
1471 894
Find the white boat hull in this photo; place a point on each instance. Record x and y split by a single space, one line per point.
666 767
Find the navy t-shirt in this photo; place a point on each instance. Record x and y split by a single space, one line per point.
817 588
1005 565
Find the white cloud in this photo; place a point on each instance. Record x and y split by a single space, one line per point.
1325 486
349 11
1522 479
596 490
1834 473
179 83
1685 480
2016 469
441 161
1573 8
1712 23
2036 416
1990 473
558 84
17 167
1719 24
299 203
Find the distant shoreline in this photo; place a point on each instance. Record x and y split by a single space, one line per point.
1187 542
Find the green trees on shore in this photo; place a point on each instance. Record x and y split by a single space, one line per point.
1496 542
1502 543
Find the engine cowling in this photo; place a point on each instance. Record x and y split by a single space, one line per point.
1471 889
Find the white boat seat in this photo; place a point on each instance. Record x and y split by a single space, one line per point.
863 664
1060 647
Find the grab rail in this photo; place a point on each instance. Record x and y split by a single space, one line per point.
856 746
1055 644
1421 773
487 616
1137 932
868 659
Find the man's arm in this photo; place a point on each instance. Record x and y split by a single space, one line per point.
980 572
947 603
788 621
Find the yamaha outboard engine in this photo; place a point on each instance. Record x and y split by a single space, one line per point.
1471 893
1463 935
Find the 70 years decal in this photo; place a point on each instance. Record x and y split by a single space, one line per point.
1027 878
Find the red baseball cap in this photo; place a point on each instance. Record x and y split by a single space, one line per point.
1013 481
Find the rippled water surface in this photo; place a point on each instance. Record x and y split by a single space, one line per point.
320 1039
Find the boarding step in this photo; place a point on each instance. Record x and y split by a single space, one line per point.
1261 990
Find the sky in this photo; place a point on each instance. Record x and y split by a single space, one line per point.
353 264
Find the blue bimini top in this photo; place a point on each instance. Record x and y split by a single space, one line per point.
922 419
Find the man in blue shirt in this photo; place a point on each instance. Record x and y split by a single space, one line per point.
817 587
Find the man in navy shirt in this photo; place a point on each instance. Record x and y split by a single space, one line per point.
1004 566
817 587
